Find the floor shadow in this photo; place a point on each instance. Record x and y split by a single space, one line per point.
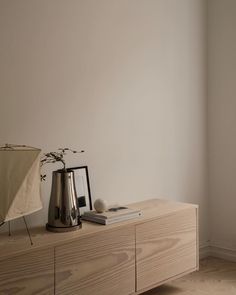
164 290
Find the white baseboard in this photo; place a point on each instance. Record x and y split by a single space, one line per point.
207 249
204 249
222 252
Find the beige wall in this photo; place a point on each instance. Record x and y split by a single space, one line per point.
124 80
222 122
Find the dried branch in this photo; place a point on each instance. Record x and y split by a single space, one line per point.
53 157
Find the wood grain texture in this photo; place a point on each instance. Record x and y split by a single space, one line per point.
166 247
102 264
100 259
18 243
28 274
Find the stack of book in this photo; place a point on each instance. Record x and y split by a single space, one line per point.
112 215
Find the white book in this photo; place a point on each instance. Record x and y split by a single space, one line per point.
105 221
117 212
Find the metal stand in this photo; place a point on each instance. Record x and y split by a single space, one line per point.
9 228
31 242
28 232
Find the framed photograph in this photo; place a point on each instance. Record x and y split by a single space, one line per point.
82 188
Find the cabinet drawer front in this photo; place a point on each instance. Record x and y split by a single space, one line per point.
101 264
166 247
27 274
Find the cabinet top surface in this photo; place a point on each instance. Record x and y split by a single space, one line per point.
19 242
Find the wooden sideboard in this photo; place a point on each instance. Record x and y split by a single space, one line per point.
128 257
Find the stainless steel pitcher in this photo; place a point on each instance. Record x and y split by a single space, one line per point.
63 211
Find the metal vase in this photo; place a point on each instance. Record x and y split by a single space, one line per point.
63 211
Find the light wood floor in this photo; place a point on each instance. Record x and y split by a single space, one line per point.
215 277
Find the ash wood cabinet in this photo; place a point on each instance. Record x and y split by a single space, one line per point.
102 264
125 258
28 274
166 247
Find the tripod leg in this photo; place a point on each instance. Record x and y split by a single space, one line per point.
28 230
9 228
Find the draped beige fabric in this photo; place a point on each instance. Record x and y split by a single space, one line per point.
19 182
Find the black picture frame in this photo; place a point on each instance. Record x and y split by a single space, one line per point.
82 186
